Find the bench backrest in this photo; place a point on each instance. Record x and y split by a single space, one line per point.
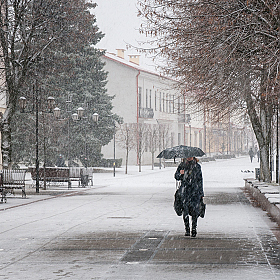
76 172
88 171
13 176
51 172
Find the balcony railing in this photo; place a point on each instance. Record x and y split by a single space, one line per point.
147 113
184 118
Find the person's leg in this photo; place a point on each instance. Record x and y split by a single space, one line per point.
194 224
187 224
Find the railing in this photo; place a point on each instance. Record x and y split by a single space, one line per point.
184 118
11 179
147 113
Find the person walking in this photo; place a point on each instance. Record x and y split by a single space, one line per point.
251 154
191 192
258 155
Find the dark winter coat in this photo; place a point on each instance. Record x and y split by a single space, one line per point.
191 189
251 153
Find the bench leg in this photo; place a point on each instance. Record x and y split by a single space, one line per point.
3 196
23 193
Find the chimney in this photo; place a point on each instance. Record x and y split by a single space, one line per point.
120 53
134 58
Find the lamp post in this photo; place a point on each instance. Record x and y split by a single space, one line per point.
114 163
78 116
50 105
277 142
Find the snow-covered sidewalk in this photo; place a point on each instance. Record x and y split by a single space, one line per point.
125 228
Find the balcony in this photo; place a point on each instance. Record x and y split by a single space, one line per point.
184 118
147 113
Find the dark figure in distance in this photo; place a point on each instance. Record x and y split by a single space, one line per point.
191 191
60 161
258 155
251 154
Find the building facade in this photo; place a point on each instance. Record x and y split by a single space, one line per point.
143 97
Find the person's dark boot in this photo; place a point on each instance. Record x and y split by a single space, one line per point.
187 233
194 232
187 226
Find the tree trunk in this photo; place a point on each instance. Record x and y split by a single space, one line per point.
126 159
140 158
262 128
6 144
140 164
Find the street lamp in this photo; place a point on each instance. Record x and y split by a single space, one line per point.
114 142
95 117
114 163
80 116
50 105
76 117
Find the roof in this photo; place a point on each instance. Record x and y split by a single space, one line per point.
133 65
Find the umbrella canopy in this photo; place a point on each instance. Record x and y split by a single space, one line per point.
181 152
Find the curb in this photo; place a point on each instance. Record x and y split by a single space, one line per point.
60 194
267 196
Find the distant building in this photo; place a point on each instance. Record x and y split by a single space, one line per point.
145 97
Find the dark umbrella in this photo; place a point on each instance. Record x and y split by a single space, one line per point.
181 152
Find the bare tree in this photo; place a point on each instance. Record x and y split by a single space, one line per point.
226 53
28 29
140 132
125 136
163 137
153 134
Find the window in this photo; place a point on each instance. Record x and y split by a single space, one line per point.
200 140
155 100
140 96
173 105
160 101
163 100
150 98
195 138
186 138
179 138
172 139
146 98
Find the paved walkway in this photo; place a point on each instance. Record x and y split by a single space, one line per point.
125 228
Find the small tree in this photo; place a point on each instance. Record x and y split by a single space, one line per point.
153 140
164 137
140 131
125 136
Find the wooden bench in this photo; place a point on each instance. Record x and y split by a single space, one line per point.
81 174
64 174
52 174
11 179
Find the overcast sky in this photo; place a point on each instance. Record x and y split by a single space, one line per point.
118 20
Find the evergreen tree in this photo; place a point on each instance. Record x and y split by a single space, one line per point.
69 72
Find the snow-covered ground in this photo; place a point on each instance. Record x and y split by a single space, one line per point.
124 228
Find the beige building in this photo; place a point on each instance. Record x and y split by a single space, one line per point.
145 97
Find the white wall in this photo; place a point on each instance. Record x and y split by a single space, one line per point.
122 83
